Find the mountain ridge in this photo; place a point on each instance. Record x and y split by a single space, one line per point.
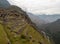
19 28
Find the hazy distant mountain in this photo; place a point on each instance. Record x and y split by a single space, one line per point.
4 3
43 19
53 29
36 19
50 18
54 26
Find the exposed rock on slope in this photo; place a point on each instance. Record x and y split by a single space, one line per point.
17 28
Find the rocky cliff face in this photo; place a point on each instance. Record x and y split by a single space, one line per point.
17 28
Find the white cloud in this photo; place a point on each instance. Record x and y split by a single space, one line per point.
38 6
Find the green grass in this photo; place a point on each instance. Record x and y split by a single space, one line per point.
16 39
3 36
30 34
17 30
36 36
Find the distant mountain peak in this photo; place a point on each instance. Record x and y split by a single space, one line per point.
58 20
4 3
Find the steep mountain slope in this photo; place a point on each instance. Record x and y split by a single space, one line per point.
54 26
4 3
53 30
17 28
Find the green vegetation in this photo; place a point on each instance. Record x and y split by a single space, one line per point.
16 28
3 36
56 37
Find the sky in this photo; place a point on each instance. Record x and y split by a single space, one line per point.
38 6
